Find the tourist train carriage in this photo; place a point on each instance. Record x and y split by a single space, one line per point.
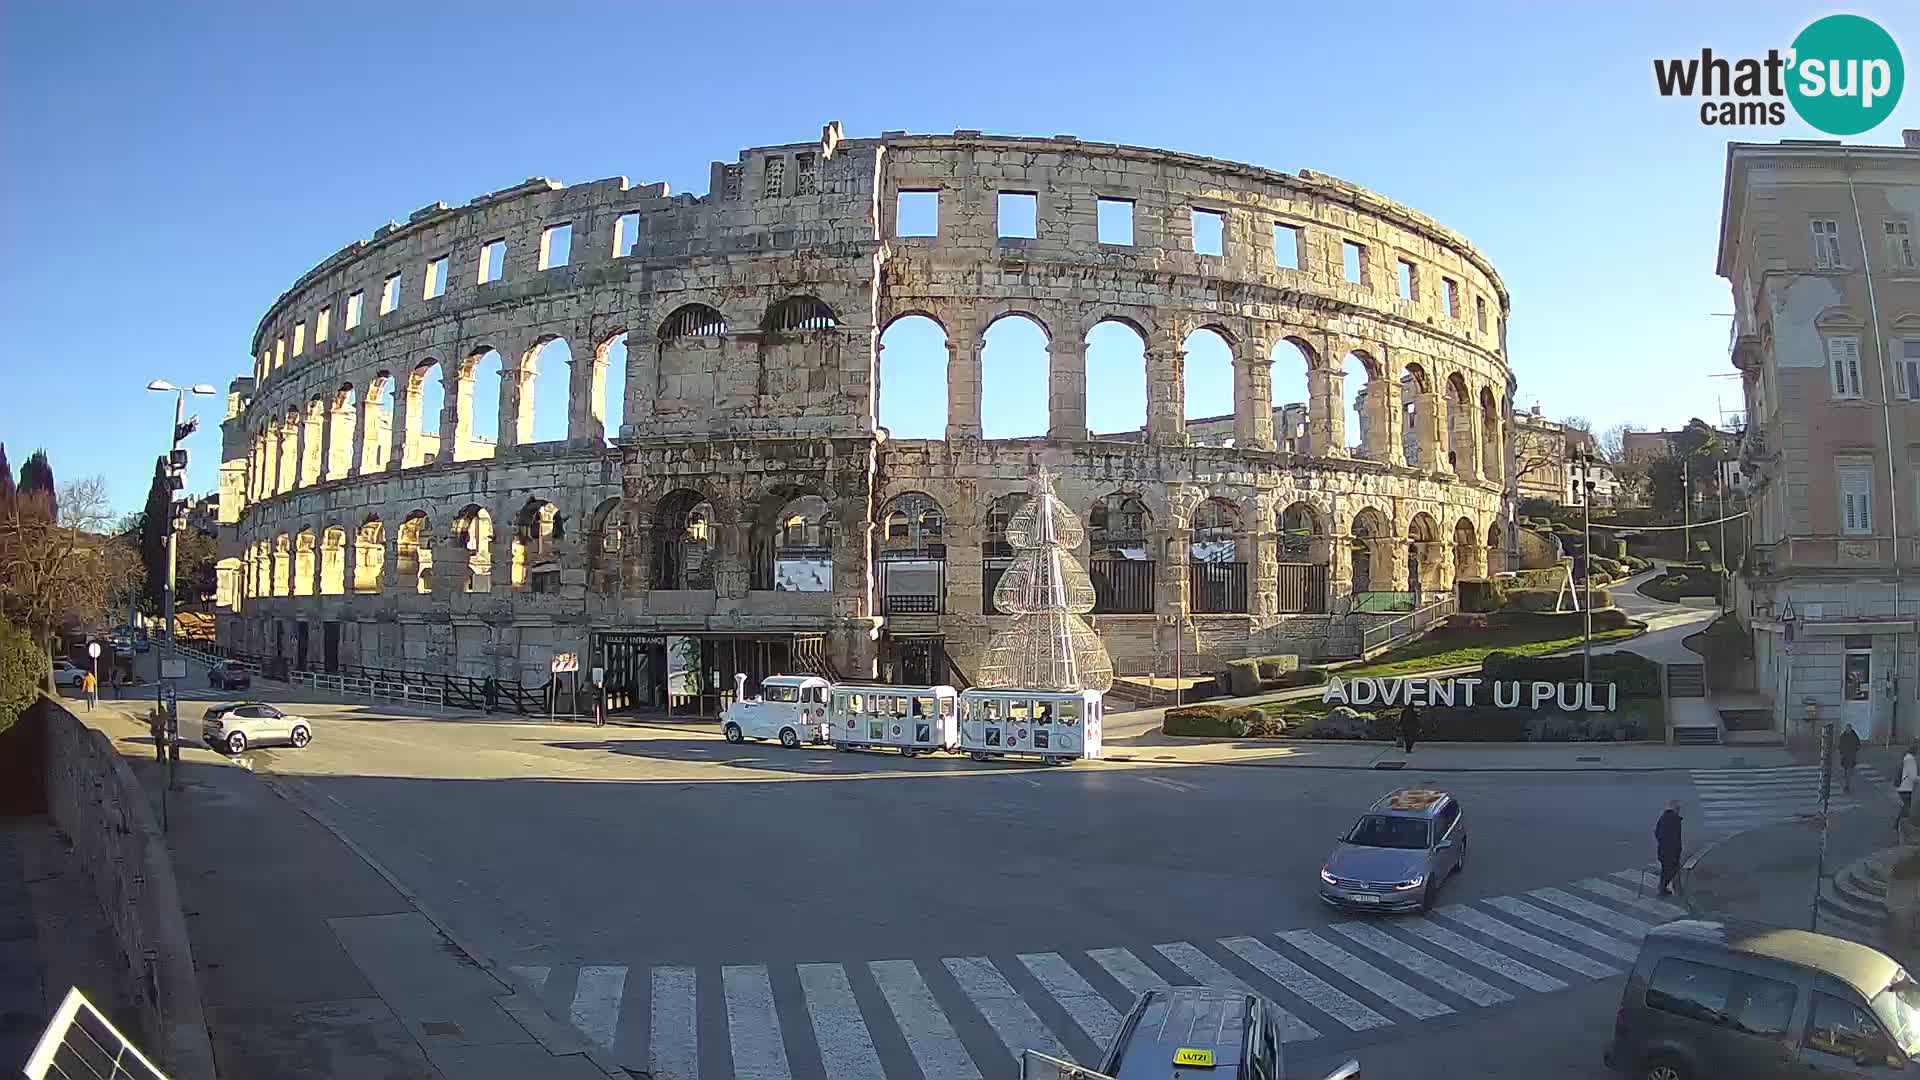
910 719
791 708
1057 725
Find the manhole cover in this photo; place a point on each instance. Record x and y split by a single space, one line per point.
442 1027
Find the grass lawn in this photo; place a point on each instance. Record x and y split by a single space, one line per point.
1449 650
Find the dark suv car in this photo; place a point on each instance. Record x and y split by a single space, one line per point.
1396 857
228 675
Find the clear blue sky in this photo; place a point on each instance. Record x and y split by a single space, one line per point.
171 168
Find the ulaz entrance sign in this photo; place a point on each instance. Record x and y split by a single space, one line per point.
1566 697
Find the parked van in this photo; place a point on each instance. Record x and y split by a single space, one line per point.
1711 999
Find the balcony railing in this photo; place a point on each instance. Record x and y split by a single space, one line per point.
1122 586
1302 588
1217 588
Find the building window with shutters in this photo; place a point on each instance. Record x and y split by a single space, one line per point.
1826 244
1856 499
1899 237
1906 368
1843 366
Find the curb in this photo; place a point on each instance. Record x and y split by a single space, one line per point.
1413 766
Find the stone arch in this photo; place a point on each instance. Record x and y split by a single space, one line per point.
692 320
792 539
1120 526
478 431
312 433
1492 452
537 398
1370 562
1463 443
473 529
606 542
1302 534
283 565
1217 557
303 562
1209 386
1015 361
1303 398
369 555
538 530
1366 409
1426 554
690 353
799 314
413 553
1215 531
602 413
342 420
684 533
1116 352
424 441
996 553
376 423
913 522
1304 559
1420 441
914 354
1496 550
1468 558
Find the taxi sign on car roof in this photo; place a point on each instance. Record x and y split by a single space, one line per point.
1413 799
1192 1056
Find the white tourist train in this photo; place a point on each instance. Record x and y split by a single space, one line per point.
1056 726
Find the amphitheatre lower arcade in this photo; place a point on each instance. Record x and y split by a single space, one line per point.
760 426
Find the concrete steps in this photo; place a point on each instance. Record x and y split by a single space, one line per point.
1853 902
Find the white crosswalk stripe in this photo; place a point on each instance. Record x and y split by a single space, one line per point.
1735 799
1370 972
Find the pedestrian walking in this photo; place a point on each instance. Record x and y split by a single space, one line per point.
90 686
1849 756
1666 843
1409 727
490 693
1909 772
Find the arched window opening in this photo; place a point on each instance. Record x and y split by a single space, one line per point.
376 424
1304 557
312 432
1461 445
369 556
1369 536
996 554
1467 555
1293 405
1365 421
693 320
685 528
1417 436
343 417
473 527
610 387
413 554
537 532
913 556
426 405
1216 577
1209 385
544 418
282 565
606 540
793 546
333 561
303 558
1120 556
479 404
1424 556
799 313
913 379
1496 551
1014 379
1116 381
1492 458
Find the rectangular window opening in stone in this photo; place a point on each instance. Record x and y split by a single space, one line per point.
1353 261
626 233
1209 232
1286 246
917 213
806 174
279 353
322 325
1409 280
390 293
356 308
1826 243
299 338
556 245
1480 312
1114 219
731 177
1450 296
436 285
493 260
774 180
1899 236
1019 214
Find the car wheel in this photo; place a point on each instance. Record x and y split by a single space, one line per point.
979 755
732 732
301 736
788 739
236 742
1664 1068
1428 894
1461 864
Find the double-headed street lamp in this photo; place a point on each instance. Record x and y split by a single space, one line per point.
177 481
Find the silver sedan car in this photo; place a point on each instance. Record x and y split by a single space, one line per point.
1396 857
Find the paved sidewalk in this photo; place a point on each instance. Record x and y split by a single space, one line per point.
313 964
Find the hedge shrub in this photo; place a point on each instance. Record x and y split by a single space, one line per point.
1635 675
1254 674
1215 721
23 671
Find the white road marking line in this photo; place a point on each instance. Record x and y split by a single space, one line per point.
846 1047
1566 928
1493 960
1508 934
1593 912
1128 970
1305 985
675 1050
921 1022
753 1027
1165 783
1017 1025
535 974
596 1002
1087 1006
1392 990
1651 904
1437 971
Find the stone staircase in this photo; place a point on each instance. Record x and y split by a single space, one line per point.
1853 902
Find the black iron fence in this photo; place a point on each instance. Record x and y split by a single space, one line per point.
457 691
1217 588
1122 586
1302 588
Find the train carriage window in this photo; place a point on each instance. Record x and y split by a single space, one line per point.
990 709
923 706
1042 713
946 706
1019 710
853 703
1069 710
900 706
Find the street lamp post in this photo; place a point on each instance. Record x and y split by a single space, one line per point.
176 478
1583 462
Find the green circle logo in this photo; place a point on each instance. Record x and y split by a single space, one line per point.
1846 75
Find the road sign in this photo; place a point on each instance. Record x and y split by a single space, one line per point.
565 661
599 676
173 667
93 649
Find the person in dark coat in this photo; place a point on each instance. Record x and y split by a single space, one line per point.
1849 756
1666 838
1409 727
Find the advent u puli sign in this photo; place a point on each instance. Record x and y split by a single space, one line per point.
1566 697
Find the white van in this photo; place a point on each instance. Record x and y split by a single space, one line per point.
791 708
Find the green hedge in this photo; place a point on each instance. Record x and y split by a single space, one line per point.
1635 675
1216 721
1254 674
23 671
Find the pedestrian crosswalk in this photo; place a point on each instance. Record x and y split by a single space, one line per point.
971 1017
1733 800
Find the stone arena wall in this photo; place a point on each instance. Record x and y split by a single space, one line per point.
751 445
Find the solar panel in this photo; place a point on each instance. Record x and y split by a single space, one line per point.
80 1044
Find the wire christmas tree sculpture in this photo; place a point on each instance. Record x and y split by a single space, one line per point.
1047 646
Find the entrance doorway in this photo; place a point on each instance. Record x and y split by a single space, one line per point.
1857 685
300 641
330 646
916 661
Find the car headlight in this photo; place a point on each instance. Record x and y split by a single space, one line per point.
1403 886
1326 877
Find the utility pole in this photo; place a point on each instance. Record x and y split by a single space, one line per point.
1582 463
176 470
1686 511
